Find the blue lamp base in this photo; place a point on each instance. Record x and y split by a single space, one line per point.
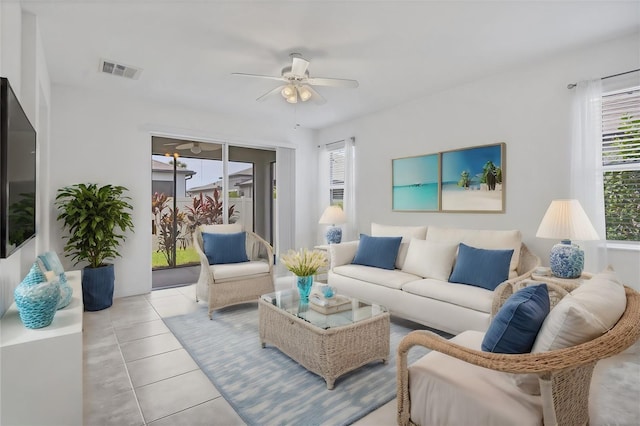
566 260
334 235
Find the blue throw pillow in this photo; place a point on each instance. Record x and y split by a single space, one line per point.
225 248
380 252
515 327
481 267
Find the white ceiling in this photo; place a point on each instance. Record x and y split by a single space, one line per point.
397 50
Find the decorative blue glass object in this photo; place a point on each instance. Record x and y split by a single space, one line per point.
66 292
334 235
37 299
304 287
566 260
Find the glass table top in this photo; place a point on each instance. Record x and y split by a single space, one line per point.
355 311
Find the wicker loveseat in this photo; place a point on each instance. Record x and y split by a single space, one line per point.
230 284
564 374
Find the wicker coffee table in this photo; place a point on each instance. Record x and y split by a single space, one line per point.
327 345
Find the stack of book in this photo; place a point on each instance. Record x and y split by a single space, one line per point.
333 305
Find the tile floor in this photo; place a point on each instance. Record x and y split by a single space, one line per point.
137 373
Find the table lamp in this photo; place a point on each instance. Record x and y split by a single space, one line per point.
333 215
566 220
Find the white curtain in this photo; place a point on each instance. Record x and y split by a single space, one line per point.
586 167
350 232
285 200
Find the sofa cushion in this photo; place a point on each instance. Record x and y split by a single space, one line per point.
481 267
392 279
406 232
225 248
514 328
238 270
467 296
460 393
380 252
486 239
430 259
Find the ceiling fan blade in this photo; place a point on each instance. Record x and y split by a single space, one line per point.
187 145
210 146
269 77
316 97
333 82
269 93
299 66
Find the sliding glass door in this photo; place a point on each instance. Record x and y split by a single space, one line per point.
198 183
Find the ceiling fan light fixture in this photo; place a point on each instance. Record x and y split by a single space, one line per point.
305 93
288 91
293 99
196 149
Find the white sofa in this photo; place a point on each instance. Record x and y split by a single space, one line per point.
418 296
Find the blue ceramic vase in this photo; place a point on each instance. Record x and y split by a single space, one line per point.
37 299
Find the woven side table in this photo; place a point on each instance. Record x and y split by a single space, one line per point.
326 346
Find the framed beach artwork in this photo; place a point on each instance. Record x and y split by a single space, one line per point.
473 179
415 183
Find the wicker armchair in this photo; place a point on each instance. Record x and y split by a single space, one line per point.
564 375
231 284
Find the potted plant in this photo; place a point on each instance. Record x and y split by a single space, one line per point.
97 218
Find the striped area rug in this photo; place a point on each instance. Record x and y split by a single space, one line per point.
266 387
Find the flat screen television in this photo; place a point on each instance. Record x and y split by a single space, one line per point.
17 173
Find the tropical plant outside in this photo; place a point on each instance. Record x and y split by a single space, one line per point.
183 257
622 188
174 240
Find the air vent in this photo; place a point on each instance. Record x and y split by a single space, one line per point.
121 70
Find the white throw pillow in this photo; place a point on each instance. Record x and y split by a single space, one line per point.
584 314
587 312
430 259
406 232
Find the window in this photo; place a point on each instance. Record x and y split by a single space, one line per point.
621 163
336 175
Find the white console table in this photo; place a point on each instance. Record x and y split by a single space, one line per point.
41 369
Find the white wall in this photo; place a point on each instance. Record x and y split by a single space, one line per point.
22 62
528 108
104 138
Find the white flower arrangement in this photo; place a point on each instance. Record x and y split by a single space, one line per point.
304 262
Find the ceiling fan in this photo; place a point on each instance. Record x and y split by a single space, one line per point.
297 82
197 147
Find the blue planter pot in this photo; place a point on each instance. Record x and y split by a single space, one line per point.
97 287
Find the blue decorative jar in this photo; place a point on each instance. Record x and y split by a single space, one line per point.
304 287
37 299
334 235
566 260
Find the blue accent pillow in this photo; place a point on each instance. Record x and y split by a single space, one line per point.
481 267
225 248
516 325
51 262
380 252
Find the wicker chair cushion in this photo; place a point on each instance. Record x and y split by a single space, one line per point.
225 248
239 270
449 391
516 325
380 252
486 239
468 296
430 259
584 314
481 267
406 232
231 228
384 277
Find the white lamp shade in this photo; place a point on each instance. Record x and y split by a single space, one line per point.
333 215
566 220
